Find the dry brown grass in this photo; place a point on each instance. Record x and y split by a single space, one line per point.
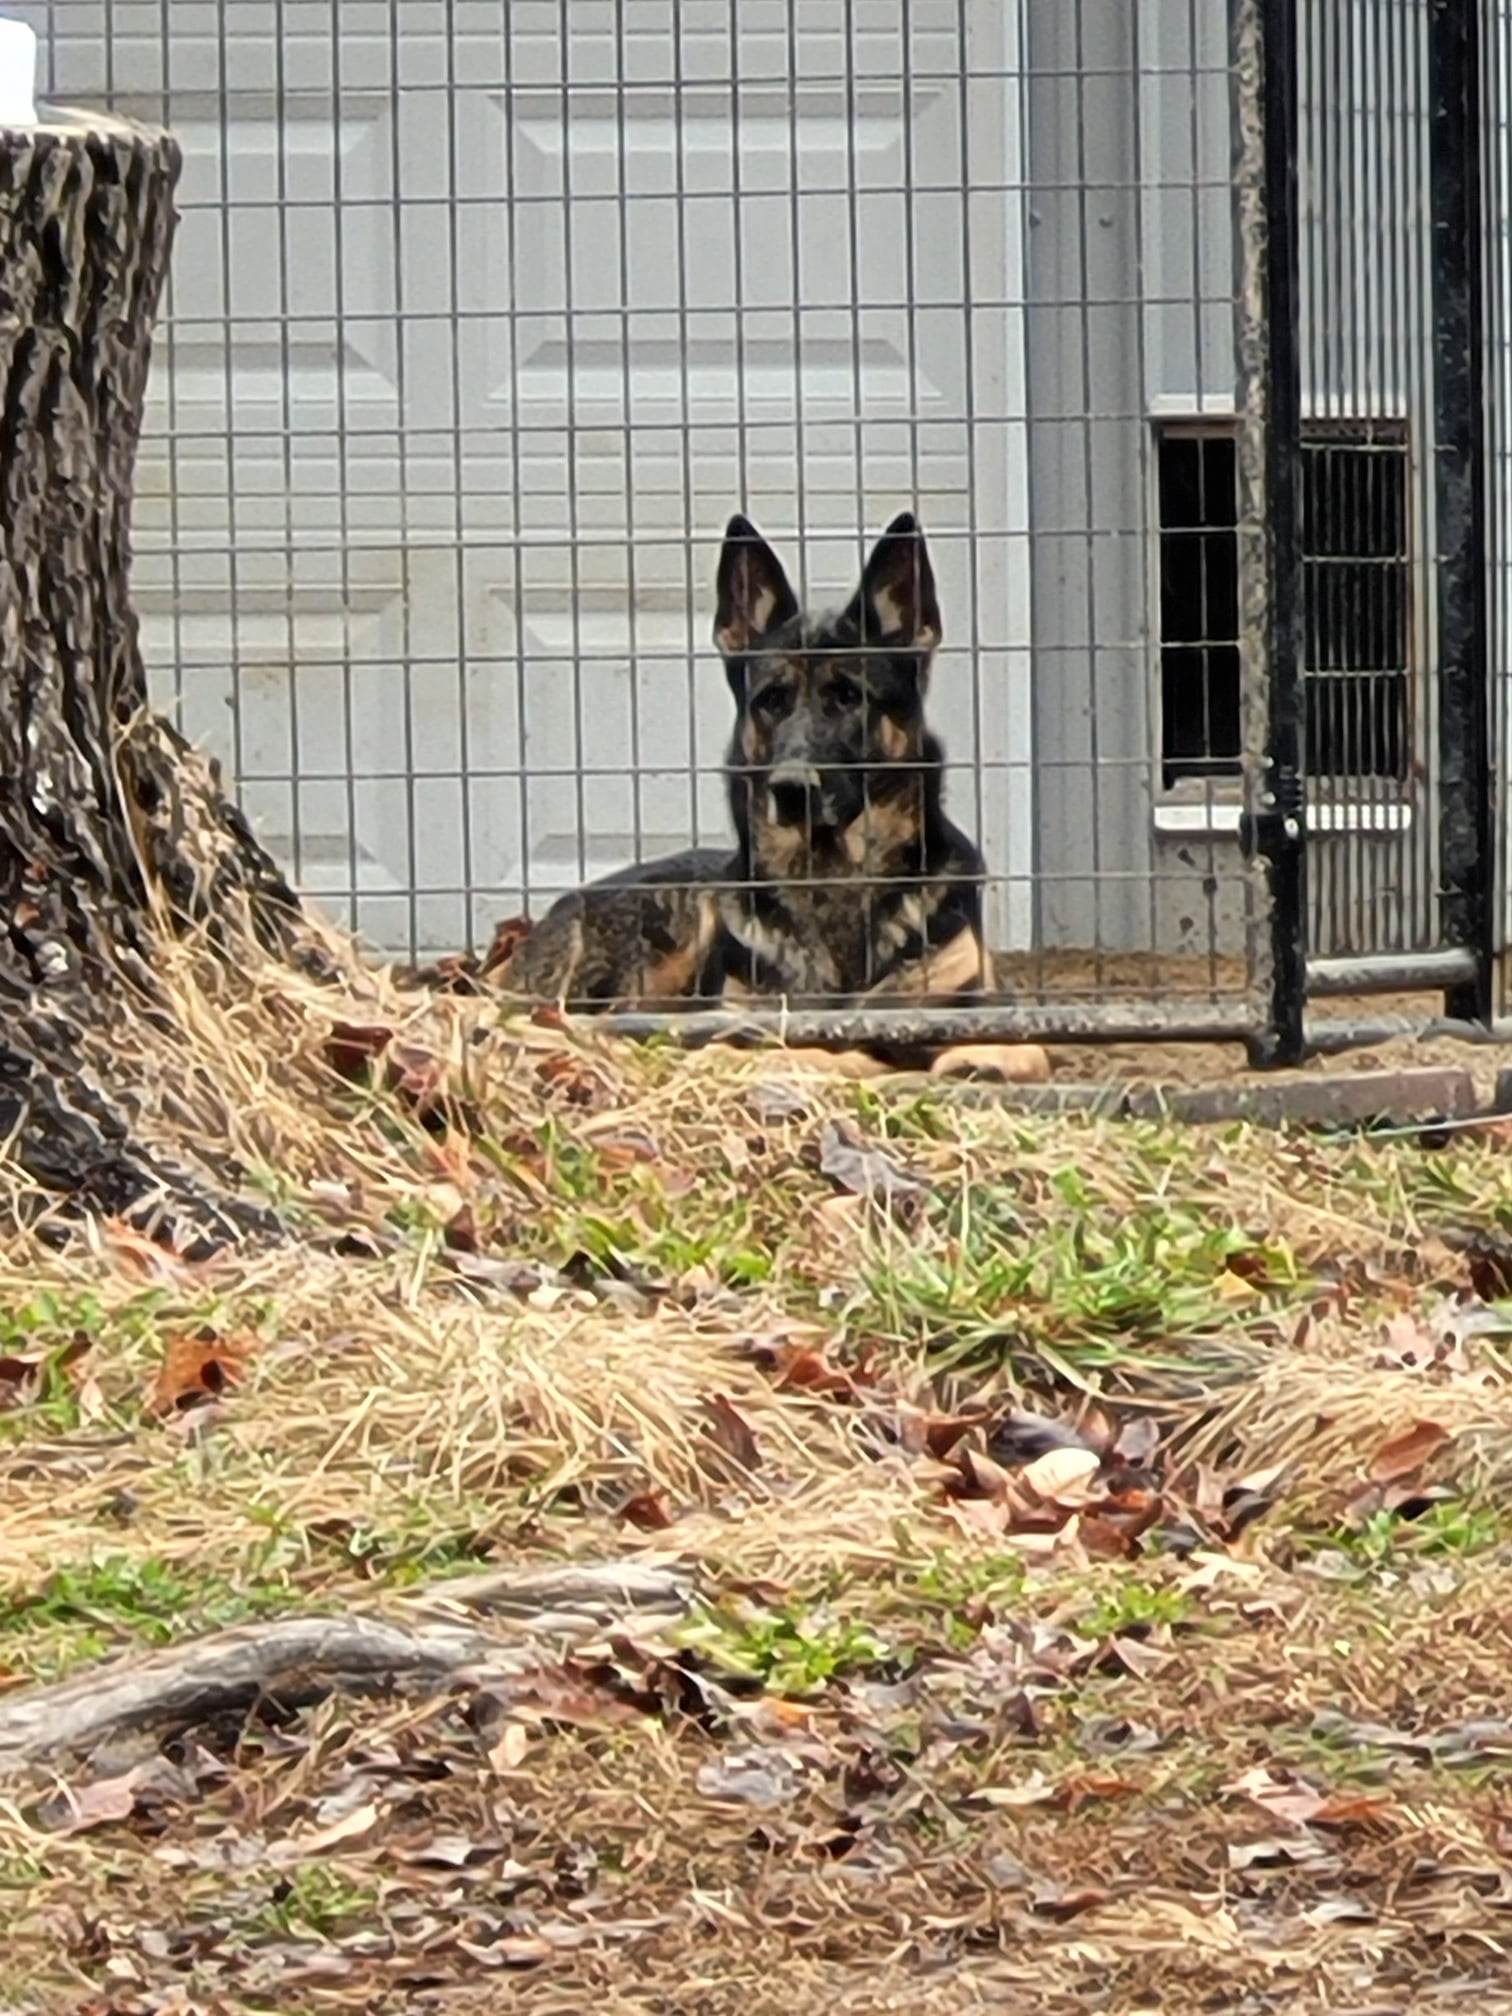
1005 1742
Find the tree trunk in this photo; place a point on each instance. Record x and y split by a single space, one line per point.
113 832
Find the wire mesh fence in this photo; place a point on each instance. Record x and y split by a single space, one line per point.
484 320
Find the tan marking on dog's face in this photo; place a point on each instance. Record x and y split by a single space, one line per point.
882 832
893 740
774 677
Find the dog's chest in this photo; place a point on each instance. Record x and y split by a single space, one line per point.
823 939
829 920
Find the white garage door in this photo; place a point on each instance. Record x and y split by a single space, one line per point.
476 338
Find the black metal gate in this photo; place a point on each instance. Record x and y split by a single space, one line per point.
1372 313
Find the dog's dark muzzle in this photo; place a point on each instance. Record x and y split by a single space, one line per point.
793 792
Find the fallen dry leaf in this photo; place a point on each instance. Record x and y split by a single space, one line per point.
198 1369
729 1430
508 1753
773 1099
19 1374
647 1511
569 1076
1138 1657
867 1172
1090 1785
351 1047
763 1778
982 1478
90 1398
156 1259
1137 1441
1058 1901
522 1949
450 1851
1283 1798
508 937
342 1832
1259 1482
106 1801
808 1371
1294 1800
921 1433
100 1803
1407 1452
416 1077
1275 1850
461 1233
1062 1476
978 1516
625 1148
1035 1790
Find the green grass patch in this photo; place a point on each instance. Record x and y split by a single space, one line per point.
1454 1528
1085 1286
792 1651
316 1899
87 1609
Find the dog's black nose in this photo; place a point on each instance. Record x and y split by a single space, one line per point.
794 800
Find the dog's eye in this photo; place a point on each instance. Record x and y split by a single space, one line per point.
772 702
845 692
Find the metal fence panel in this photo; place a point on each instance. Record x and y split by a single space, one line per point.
484 319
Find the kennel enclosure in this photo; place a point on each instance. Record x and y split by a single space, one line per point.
1182 323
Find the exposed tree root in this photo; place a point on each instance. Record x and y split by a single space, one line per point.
296 1660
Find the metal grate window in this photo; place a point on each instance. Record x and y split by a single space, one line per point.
1199 605
1356 570
1357 596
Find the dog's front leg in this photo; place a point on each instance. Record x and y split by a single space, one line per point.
948 971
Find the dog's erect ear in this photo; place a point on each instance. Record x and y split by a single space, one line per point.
753 592
896 606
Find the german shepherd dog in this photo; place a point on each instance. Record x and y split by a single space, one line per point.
641 934
848 881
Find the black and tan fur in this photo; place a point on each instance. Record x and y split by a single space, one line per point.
849 880
642 935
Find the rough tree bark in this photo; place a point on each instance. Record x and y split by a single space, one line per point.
112 830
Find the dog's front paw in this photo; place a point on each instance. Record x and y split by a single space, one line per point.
997 1063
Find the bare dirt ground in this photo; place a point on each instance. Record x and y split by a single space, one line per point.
1041 1563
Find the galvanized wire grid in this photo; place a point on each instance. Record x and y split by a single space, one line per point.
1368 477
484 319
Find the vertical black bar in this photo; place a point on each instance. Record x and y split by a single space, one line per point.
1465 838
1265 126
